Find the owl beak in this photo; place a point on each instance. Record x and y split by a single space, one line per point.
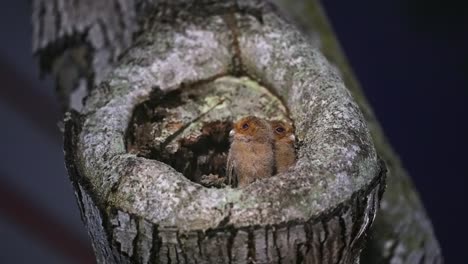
231 133
292 138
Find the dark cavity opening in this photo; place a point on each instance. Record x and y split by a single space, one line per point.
200 156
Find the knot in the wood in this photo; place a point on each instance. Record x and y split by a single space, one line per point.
197 73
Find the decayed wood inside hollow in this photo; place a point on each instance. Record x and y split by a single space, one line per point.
189 128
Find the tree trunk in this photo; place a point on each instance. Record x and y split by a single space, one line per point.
143 211
402 232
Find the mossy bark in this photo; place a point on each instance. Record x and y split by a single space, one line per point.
319 211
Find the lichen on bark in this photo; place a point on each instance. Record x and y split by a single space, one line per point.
320 210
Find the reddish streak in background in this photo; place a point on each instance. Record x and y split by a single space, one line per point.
39 224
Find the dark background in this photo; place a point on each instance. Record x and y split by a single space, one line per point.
411 58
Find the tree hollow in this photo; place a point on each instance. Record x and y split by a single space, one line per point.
197 73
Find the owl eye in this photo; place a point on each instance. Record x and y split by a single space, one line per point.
279 129
245 126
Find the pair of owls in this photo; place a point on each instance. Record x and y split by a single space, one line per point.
259 148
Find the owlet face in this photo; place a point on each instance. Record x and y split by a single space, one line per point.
283 131
251 128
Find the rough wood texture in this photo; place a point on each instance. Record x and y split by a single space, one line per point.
402 232
139 210
78 42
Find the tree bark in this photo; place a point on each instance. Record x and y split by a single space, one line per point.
80 41
402 232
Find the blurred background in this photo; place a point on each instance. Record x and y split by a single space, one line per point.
411 58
